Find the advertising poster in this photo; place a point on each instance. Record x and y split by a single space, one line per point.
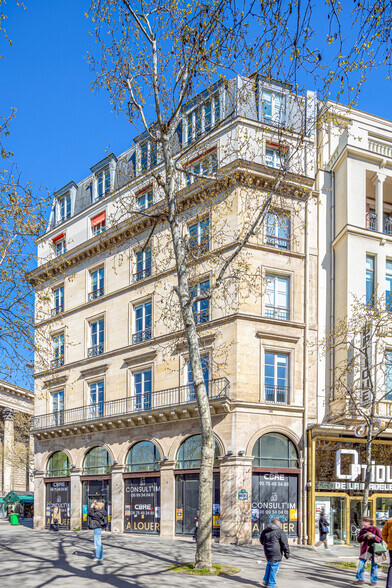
275 495
143 500
58 505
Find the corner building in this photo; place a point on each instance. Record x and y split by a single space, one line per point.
115 413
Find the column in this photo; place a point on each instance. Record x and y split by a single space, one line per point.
236 499
8 417
379 182
167 498
39 500
30 462
76 499
117 499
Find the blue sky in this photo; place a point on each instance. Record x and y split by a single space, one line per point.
62 128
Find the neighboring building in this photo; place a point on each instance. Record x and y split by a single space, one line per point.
355 255
16 404
115 415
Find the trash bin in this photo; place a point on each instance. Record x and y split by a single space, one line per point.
14 518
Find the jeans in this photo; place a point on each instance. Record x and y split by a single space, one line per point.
361 571
98 543
389 578
270 573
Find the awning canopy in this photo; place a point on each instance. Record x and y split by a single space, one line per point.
100 218
13 497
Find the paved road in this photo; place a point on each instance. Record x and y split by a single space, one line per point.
33 559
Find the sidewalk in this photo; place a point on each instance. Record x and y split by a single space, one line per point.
34 559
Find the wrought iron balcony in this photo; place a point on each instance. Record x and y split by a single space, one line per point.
57 362
96 350
57 310
371 223
276 312
142 274
201 317
141 336
278 242
150 402
278 394
96 293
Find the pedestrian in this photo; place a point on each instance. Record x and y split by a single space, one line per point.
323 526
386 534
368 536
55 519
275 543
97 520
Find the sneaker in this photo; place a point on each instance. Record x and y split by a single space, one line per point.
314 548
359 583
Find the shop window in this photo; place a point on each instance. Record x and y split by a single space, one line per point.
187 503
58 465
275 451
97 462
278 230
143 457
189 454
58 504
96 490
142 505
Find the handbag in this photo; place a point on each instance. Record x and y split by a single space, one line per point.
324 529
380 547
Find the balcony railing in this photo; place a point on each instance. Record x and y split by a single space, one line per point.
201 317
142 274
57 362
218 388
96 350
278 242
282 314
278 394
57 310
141 336
96 293
371 223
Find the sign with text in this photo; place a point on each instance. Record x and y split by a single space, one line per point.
58 504
274 495
142 512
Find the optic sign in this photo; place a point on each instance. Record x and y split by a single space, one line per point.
381 475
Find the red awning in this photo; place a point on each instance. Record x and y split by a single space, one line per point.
100 218
61 236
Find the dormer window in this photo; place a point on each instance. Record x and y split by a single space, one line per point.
103 183
203 118
63 202
148 155
64 207
271 106
103 177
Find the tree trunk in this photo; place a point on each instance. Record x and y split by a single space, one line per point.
368 449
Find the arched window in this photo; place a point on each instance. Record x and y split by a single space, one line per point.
275 451
97 461
143 457
189 454
58 465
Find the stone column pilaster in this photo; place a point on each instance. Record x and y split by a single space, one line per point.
117 500
76 499
167 498
236 514
379 183
39 500
8 417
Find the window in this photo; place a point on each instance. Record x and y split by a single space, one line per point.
103 183
276 377
388 375
60 247
145 200
275 157
97 461
278 230
203 118
272 106
58 465
96 399
58 296
204 165
189 454
143 457
142 387
205 364
142 264
201 308
277 297
98 224
58 350
97 335
64 207
274 451
97 283
148 155
143 320
370 263
388 283
58 408
199 234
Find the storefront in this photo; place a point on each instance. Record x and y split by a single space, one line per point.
58 492
96 483
337 472
20 502
142 489
187 488
275 477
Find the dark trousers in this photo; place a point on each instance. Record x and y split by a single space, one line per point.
389 578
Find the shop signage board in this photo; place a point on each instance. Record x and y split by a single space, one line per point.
243 495
142 511
58 504
274 495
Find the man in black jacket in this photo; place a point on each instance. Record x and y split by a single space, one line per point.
274 541
97 520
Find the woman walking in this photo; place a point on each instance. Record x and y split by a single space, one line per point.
368 536
323 525
97 520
